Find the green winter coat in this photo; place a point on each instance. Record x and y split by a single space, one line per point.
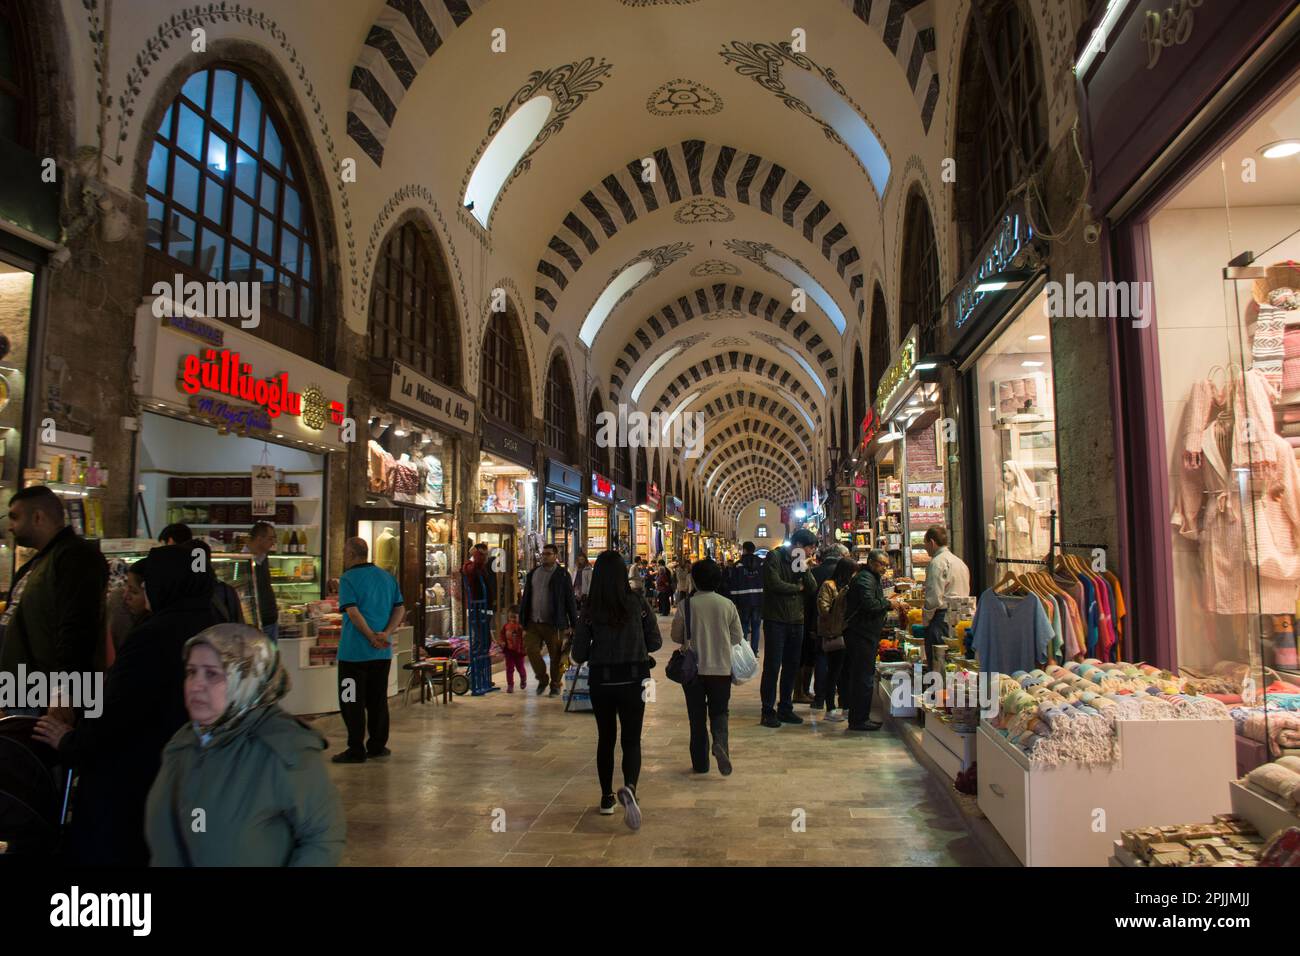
784 588
264 792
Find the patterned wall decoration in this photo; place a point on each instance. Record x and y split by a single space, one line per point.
683 98
568 86
692 168
703 209
714 267
403 38
177 28
764 64
661 256
718 301
901 27
732 342
757 252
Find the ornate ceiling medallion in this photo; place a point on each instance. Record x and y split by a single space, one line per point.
732 342
703 209
714 267
724 314
683 98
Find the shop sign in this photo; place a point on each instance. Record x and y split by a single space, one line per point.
601 487
1159 65
205 332
692 526
223 372
673 507
898 374
263 491
432 400
870 425
647 493
785 514
240 419
501 441
560 476
1013 234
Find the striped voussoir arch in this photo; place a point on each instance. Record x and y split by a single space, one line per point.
747 428
774 407
714 298
773 485
691 168
905 27
736 362
754 465
772 453
400 42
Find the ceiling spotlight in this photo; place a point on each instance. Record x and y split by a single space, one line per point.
400 432
1038 338
1006 279
1281 149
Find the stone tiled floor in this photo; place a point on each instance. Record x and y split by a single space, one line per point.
519 758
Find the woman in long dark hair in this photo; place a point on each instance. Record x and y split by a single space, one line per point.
617 631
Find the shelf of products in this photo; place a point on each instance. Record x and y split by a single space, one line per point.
597 530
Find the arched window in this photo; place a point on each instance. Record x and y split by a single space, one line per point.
597 457
623 465
657 476
1002 118
561 424
920 294
642 469
847 439
227 201
503 381
412 311
859 390
878 351
17 86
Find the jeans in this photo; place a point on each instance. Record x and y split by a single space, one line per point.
366 701
783 646
862 674
614 705
707 696
827 678
936 633
751 620
535 637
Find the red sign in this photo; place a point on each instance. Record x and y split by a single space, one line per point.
870 425
602 487
785 514
224 374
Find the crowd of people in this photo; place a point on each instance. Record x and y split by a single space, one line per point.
192 761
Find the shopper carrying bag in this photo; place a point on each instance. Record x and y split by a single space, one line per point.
684 664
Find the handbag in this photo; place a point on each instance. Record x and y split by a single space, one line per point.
684 665
832 644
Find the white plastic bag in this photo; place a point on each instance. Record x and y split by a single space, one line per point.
744 665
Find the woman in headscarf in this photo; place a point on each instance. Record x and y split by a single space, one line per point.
243 783
117 752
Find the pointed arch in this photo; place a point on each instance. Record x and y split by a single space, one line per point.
505 387
560 421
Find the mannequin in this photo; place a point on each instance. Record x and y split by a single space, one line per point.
387 550
1022 511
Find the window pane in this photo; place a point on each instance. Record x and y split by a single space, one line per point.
288 250
285 295
213 195
292 213
267 198
196 89
223 98
153 228
246 173
272 151
242 221
185 183
306 261
158 168
180 238
305 306
217 152
165 127
190 134
250 114
211 250
239 259
265 234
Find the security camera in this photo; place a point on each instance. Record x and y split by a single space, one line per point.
60 257
1091 232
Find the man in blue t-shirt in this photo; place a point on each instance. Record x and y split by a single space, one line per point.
372 607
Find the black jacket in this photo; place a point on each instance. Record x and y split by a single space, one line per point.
564 608
745 584
866 606
618 654
266 606
118 753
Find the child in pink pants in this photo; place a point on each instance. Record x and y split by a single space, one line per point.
511 640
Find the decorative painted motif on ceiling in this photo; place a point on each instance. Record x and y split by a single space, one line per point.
661 257
407 33
568 86
703 209
717 301
714 267
692 168
683 98
732 342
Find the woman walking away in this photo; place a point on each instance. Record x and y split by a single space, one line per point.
256 772
712 624
617 632
831 599
664 586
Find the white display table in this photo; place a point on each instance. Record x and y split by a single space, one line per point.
314 688
952 750
1168 772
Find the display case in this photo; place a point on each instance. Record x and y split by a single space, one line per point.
396 540
597 529
234 569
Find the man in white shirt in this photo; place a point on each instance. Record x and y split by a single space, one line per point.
946 577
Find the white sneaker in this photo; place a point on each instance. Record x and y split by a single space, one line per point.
835 715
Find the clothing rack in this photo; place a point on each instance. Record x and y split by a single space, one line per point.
1053 546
